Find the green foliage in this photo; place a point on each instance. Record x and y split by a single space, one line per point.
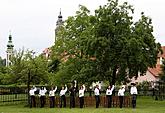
53 65
2 62
25 63
3 73
145 85
120 48
3 70
75 69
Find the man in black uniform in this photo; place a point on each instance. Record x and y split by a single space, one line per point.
72 91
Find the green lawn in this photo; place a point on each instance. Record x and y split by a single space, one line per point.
144 105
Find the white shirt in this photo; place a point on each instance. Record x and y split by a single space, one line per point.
121 92
62 92
81 91
31 92
42 92
133 90
52 92
97 91
109 91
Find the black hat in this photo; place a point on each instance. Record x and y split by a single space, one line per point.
133 84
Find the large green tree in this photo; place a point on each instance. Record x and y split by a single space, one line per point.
3 70
27 67
108 45
2 62
3 73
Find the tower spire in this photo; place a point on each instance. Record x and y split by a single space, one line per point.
9 32
10 36
59 21
60 11
59 24
9 52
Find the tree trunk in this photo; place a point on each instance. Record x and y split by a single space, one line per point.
114 75
114 79
28 86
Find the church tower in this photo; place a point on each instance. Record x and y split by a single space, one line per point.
59 24
9 51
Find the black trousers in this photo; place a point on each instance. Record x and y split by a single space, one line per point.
42 101
62 100
134 100
72 101
121 101
32 101
109 101
81 100
52 101
97 97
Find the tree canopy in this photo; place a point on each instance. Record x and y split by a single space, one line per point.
25 63
107 45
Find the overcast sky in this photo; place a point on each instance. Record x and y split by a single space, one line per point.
32 22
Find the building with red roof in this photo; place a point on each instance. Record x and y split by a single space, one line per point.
152 74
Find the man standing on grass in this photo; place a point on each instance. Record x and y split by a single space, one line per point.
62 96
32 96
81 95
97 95
72 91
109 95
133 92
52 96
121 95
42 96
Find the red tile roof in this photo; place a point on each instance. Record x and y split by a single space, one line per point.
157 70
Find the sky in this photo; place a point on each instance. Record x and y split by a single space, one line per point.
32 22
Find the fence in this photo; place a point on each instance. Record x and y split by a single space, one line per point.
16 95
89 101
13 95
159 90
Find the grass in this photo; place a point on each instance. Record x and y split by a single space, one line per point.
144 105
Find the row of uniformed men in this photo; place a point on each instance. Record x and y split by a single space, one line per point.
72 91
